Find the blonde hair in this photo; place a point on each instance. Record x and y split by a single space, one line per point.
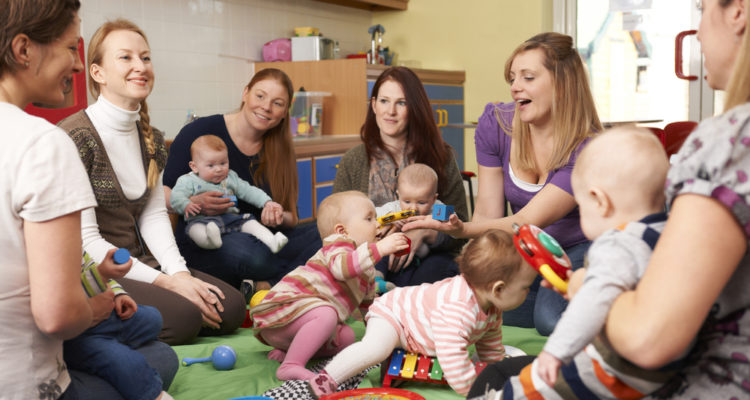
211 142
738 88
489 258
277 159
333 210
95 55
629 164
574 115
418 174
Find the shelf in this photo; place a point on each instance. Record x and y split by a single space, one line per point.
372 5
427 76
324 145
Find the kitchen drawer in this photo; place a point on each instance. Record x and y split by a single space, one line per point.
444 92
325 168
305 192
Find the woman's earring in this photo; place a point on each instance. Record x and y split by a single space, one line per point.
26 64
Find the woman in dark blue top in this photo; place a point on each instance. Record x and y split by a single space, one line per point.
261 152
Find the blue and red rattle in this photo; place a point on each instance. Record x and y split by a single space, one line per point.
223 357
543 253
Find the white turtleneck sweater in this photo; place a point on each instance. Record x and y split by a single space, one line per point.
117 129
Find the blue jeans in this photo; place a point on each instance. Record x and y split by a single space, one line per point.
84 386
434 267
243 256
543 307
107 350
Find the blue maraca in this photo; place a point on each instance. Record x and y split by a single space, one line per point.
121 256
223 358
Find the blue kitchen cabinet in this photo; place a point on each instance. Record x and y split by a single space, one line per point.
315 175
305 192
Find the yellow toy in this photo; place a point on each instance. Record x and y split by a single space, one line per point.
258 297
395 216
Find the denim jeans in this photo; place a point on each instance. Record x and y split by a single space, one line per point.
543 307
107 350
434 267
243 256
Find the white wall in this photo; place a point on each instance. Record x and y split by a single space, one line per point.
202 49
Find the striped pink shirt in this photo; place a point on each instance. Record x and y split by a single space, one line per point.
339 275
442 319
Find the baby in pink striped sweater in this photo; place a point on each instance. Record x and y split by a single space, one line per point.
444 318
304 315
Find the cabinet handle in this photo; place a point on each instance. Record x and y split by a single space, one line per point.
442 117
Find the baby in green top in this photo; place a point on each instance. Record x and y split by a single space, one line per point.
210 172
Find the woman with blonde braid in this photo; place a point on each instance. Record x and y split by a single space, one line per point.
124 157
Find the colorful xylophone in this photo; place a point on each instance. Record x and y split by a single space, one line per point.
416 367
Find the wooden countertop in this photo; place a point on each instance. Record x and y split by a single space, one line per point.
324 145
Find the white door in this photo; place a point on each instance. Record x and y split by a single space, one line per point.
630 48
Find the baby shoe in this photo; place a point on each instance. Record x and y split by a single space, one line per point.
322 384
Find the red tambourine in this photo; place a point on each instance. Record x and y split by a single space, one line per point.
374 393
543 253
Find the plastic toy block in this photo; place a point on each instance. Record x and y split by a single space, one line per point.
121 256
233 199
441 212
396 359
423 368
437 372
409 363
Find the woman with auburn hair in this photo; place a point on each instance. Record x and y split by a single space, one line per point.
124 156
526 151
45 188
400 130
260 151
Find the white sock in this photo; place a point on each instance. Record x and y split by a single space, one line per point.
197 233
214 235
281 241
274 242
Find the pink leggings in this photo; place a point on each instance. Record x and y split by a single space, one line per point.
316 333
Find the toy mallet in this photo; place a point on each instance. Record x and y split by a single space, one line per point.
543 253
223 357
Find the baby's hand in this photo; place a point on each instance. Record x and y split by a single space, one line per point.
125 306
272 214
192 209
392 243
108 269
547 367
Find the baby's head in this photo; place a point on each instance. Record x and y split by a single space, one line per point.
492 267
209 158
349 213
417 188
618 178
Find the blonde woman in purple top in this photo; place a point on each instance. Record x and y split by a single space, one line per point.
526 151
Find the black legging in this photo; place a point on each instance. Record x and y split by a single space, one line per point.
495 375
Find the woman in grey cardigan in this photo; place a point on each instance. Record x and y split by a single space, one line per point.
400 130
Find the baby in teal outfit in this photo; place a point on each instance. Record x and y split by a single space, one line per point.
210 172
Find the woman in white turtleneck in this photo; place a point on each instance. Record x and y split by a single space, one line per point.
124 157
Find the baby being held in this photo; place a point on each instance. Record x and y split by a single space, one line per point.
304 315
210 172
618 183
